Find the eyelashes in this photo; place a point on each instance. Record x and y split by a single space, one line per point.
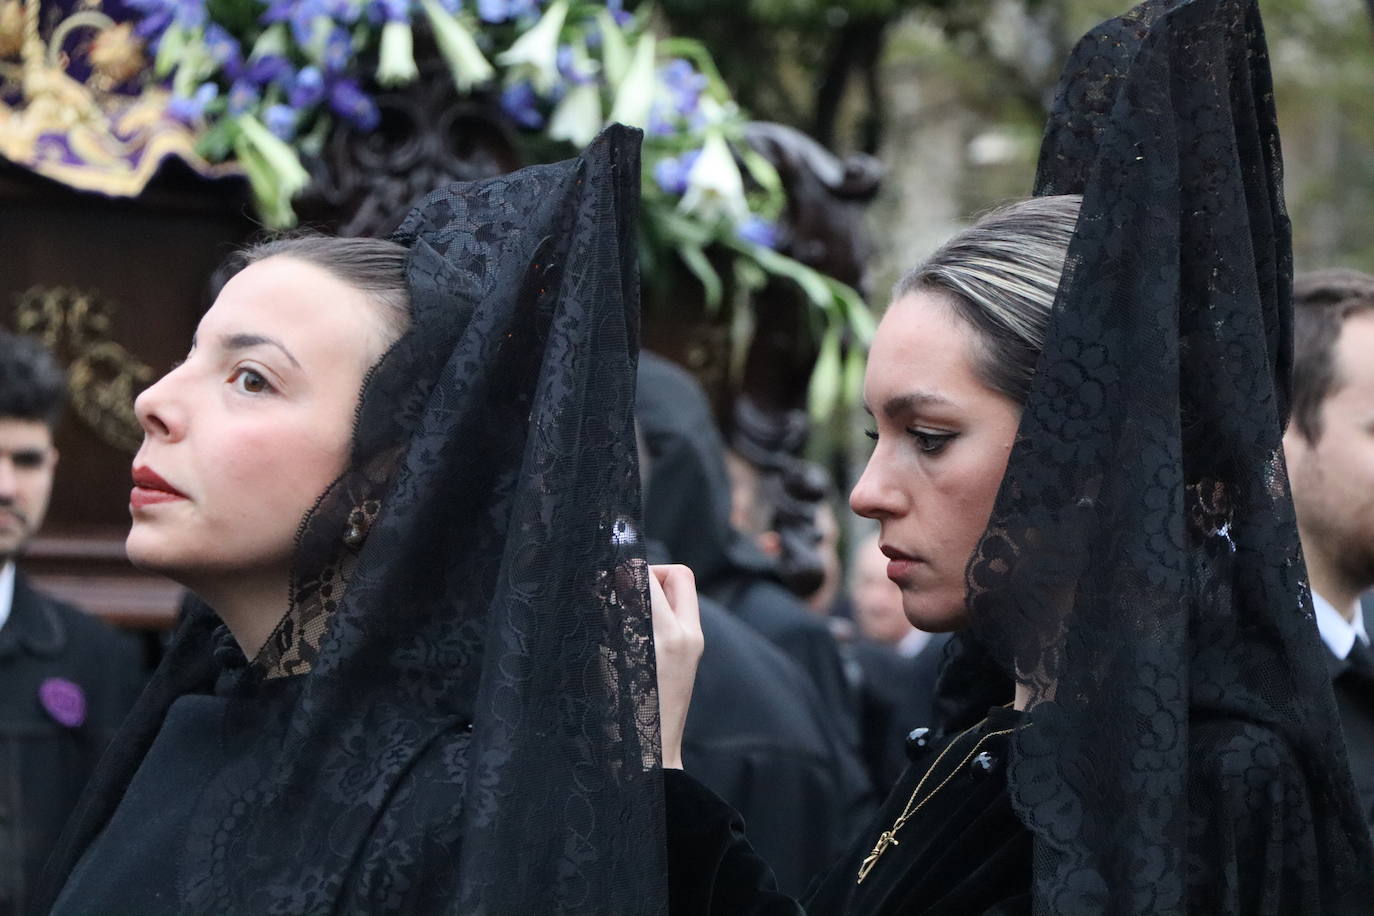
250 381
929 443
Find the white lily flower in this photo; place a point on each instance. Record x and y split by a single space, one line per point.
615 50
634 96
714 185
577 118
466 61
274 170
277 154
537 49
396 56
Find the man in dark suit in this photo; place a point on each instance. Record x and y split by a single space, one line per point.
1329 446
66 679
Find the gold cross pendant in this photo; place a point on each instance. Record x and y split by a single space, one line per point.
886 839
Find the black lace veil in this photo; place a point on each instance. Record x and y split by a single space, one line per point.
1141 572
469 641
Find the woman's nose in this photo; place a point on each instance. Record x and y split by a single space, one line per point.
158 411
874 496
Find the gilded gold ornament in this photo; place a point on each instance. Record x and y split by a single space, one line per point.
102 376
117 53
11 28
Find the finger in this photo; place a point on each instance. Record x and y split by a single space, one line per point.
662 609
680 589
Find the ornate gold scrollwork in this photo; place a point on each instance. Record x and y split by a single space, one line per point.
102 376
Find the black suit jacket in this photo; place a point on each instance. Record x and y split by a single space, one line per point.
1355 699
44 764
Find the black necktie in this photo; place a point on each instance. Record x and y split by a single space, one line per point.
1361 658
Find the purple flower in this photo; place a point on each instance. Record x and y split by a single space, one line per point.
380 11
684 85
567 67
225 50
270 68
505 10
188 110
349 102
301 14
281 121
189 13
758 230
243 95
617 8
338 51
494 10
307 89
521 105
154 24
277 11
345 11
156 16
671 173
660 120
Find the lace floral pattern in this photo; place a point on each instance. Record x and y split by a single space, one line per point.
471 722
1141 572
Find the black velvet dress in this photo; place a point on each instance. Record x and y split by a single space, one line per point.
962 851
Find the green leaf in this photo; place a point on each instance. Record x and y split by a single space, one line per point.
854 365
700 266
824 391
767 177
272 206
813 284
218 142
857 314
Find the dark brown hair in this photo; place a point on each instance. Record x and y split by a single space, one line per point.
32 384
1322 301
373 266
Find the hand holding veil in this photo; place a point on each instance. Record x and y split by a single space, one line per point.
458 711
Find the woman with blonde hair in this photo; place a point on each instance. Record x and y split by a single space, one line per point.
1078 406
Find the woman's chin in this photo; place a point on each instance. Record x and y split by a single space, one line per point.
151 553
928 612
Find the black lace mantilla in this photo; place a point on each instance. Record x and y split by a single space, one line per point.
1141 572
472 722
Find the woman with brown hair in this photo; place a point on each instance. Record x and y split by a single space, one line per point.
1078 410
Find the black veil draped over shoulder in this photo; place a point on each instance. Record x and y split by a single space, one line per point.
458 713
1141 572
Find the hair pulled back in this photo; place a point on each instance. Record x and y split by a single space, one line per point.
376 267
1001 275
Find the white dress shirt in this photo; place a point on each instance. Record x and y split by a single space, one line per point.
6 591
1338 633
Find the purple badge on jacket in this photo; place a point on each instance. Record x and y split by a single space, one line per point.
63 700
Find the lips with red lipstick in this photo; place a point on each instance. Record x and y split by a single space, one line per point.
899 565
150 488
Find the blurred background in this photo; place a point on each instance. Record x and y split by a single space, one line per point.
799 155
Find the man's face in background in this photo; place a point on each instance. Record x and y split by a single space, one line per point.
27 462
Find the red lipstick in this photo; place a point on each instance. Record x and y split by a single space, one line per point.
149 488
899 564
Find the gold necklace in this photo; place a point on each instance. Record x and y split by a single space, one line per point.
889 837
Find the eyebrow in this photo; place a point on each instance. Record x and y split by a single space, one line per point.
233 342
901 403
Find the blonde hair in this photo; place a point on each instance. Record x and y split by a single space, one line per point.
1002 274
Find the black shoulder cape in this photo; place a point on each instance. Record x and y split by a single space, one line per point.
471 722
1141 572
